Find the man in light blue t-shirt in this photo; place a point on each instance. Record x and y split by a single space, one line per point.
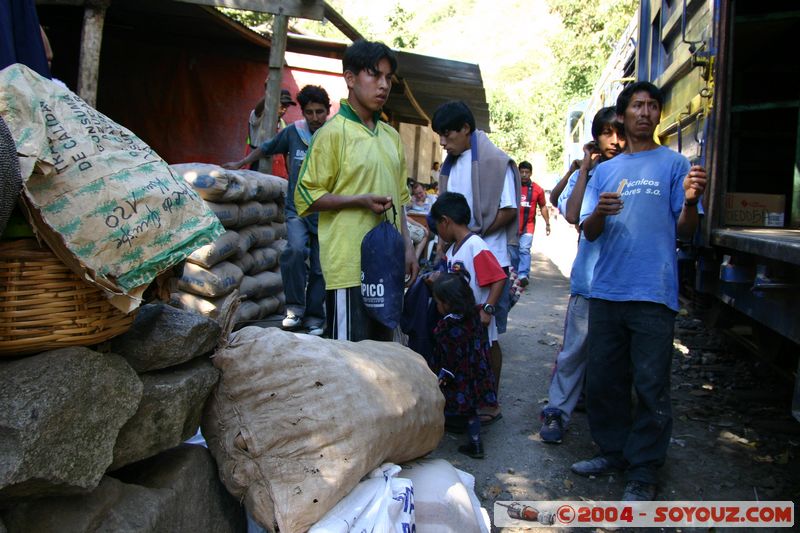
635 207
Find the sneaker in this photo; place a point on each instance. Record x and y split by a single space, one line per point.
523 280
596 466
552 426
317 331
292 321
638 491
472 449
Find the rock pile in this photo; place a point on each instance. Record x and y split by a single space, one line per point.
88 440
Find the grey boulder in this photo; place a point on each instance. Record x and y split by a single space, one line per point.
60 413
175 491
169 412
163 336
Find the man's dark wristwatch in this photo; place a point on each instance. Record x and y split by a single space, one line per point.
687 203
488 309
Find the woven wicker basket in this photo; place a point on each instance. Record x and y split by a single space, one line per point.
44 305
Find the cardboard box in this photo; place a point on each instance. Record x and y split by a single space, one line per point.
751 209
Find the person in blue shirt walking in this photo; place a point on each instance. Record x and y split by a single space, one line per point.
566 384
635 207
303 285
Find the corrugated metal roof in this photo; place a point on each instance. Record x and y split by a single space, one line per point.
434 81
424 80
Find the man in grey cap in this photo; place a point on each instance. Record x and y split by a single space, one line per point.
254 136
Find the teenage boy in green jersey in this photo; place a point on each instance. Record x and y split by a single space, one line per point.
355 171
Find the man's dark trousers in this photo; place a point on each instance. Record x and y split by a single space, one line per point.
630 343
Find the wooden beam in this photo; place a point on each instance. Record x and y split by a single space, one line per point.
339 21
94 17
306 9
410 95
277 51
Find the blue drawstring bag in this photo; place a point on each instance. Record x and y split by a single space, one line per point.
383 270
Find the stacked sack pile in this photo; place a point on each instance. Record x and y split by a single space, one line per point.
241 265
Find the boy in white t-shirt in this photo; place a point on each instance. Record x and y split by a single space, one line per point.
467 250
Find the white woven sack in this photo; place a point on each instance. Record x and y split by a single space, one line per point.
444 498
296 421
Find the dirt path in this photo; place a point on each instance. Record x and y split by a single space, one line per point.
733 437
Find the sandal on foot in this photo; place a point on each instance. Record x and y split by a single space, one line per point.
487 419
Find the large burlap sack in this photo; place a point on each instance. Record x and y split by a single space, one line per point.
104 201
296 421
213 182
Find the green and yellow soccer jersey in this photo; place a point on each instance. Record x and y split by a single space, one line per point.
347 158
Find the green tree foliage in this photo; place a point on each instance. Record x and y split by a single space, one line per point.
530 119
399 26
510 123
251 19
590 31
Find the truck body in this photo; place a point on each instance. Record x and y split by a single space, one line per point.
732 104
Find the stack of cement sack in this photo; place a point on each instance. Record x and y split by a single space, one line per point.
92 441
242 265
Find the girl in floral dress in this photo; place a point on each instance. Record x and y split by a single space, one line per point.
461 356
